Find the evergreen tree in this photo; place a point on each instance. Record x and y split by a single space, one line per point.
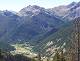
1 56
47 59
57 56
62 58
0 52
39 57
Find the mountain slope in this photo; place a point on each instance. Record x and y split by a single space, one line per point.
36 24
44 29
16 27
59 39
67 12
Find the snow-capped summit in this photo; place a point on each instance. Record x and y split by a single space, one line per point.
68 12
8 13
30 10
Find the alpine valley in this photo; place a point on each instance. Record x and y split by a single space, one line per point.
35 29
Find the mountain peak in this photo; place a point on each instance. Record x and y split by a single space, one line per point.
31 10
34 6
72 4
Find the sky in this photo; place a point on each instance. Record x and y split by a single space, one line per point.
17 5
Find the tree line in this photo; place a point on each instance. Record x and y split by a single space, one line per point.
4 56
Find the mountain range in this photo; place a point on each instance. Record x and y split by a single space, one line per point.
45 29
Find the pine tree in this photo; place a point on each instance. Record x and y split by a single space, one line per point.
47 59
62 58
0 52
39 57
57 56
1 56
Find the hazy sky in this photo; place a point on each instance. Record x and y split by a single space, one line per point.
16 5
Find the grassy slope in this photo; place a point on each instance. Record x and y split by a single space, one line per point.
64 34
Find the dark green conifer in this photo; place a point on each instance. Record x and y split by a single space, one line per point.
62 58
57 56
